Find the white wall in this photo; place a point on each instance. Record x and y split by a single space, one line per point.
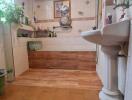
67 41
128 90
20 52
2 56
16 56
20 59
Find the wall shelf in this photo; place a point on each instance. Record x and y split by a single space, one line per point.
24 31
25 27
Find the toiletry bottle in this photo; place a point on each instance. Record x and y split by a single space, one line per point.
55 34
124 15
109 19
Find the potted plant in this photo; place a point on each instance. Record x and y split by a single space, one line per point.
10 12
13 14
1 10
2 81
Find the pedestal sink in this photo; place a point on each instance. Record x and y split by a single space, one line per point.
110 35
110 38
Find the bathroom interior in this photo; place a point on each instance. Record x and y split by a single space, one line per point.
65 49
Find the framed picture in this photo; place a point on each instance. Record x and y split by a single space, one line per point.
58 5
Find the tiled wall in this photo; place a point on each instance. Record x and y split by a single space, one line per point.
46 9
67 40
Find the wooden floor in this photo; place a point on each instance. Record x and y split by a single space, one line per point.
47 84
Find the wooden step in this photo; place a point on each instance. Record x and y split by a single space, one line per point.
63 60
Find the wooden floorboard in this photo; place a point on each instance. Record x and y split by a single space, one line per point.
16 92
54 84
59 78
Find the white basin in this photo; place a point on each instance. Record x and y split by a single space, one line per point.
113 34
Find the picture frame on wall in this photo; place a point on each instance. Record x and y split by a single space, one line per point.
58 5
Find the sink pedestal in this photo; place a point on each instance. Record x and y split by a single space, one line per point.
110 90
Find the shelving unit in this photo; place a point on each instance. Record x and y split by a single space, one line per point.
25 27
25 31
